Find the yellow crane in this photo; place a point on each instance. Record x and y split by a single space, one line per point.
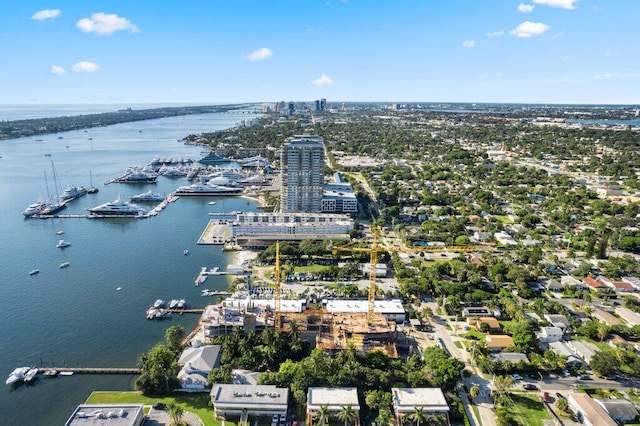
276 282
373 250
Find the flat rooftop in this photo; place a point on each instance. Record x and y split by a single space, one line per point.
249 396
106 415
430 399
333 398
393 306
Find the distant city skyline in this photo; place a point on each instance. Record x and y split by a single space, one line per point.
498 51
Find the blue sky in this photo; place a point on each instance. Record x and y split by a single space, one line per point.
201 51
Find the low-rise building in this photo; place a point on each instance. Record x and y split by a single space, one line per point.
498 342
619 410
492 324
550 334
588 411
584 350
107 415
248 400
512 357
197 363
504 239
635 282
593 283
477 311
605 317
569 281
332 398
392 309
558 320
632 318
430 400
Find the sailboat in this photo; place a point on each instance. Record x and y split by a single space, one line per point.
92 189
57 205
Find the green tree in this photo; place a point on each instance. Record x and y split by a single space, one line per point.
347 415
418 415
175 412
604 363
159 371
322 415
385 418
174 337
562 405
501 385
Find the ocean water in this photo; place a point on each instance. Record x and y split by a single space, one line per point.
75 316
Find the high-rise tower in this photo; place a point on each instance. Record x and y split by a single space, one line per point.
302 174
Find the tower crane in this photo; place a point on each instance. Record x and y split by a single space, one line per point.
276 279
373 250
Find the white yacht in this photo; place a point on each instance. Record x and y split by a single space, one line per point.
63 244
63 265
17 375
36 208
117 208
204 189
72 192
158 303
147 196
30 375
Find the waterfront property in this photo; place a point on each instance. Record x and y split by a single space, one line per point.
197 363
248 400
107 415
302 174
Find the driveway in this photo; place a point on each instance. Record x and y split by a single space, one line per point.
161 418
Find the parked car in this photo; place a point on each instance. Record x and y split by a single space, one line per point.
274 419
585 377
529 386
516 376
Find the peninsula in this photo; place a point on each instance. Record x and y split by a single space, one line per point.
41 126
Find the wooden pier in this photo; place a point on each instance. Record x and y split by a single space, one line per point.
93 370
185 311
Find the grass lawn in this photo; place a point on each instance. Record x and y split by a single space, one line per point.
531 408
310 269
197 403
458 344
480 337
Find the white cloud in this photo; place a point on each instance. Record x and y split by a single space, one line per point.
496 33
606 75
85 66
43 15
525 8
323 80
565 4
469 43
314 29
57 70
528 29
260 54
104 23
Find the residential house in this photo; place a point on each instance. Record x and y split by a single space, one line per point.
430 400
632 318
584 350
558 320
492 324
553 286
476 311
569 281
562 349
196 364
593 283
605 317
512 357
504 239
618 286
550 334
588 411
498 342
635 282
619 410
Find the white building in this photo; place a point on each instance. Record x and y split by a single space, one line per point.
550 334
197 363
107 415
632 318
504 239
291 226
302 174
431 400
334 399
588 411
249 400
391 309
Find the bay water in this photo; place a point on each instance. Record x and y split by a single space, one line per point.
76 316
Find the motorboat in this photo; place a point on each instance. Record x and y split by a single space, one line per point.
63 265
36 208
212 158
200 188
72 192
181 304
17 375
212 203
186 252
63 244
59 232
117 208
173 303
158 303
147 197
30 375
35 271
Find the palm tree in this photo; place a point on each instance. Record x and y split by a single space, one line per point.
385 418
418 415
175 412
322 415
347 415
501 384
